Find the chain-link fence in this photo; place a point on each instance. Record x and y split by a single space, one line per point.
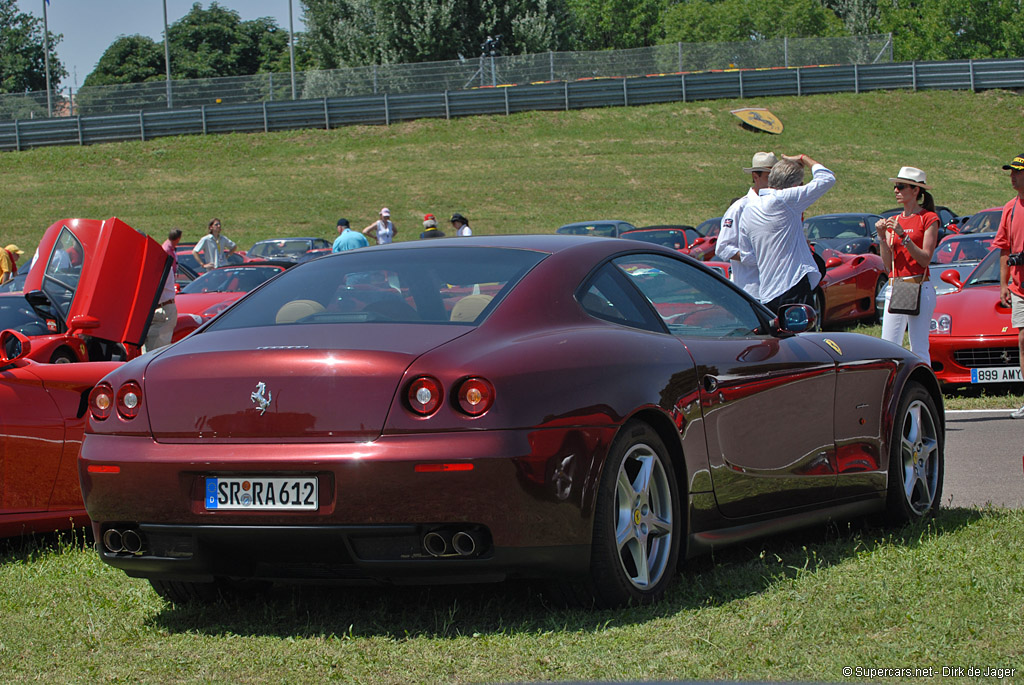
453 75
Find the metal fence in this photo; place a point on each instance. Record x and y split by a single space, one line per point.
451 75
332 112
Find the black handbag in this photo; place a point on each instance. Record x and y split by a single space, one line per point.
905 297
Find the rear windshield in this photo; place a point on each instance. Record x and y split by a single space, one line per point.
445 285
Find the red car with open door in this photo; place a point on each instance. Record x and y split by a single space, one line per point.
91 293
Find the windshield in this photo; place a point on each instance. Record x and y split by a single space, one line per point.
292 248
60 280
604 230
668 237
234 279
987 272
444 285
963 249
17 314
821 227
983 222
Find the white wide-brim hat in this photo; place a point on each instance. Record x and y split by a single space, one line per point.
913 176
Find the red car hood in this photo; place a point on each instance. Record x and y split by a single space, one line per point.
975 311
211 385
197 303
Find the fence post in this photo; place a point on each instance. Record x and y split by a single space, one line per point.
566 84
913 72
17 136
551 61
856 79
970 68
142 126
203 109
387 111
506 100
79 117
271 87
682 81
327 117
266 128
740 72
625 93
447 107
374 79
785 50
798 84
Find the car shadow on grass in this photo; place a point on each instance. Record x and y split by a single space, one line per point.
317 611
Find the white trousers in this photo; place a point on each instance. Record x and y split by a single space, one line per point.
895 325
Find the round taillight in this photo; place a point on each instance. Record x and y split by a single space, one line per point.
425 395
129 397
475 396
101 401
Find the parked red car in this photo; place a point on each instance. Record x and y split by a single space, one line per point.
41 426
217 289
587 410
90 294
680 237
972 340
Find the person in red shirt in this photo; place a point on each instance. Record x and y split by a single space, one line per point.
906 243
1009 241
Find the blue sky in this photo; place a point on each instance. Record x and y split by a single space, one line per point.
90 26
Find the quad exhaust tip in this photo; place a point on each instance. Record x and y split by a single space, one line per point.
128 540
448 543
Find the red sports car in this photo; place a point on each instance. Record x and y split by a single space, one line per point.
217 289
587 410
90 294
680 237
971 339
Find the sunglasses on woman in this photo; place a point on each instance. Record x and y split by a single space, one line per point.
902 186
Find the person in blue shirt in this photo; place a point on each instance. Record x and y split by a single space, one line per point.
347 238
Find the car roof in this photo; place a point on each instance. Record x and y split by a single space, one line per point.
279 240
840 215
663 227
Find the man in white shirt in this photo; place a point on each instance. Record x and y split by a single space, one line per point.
734 247
773 221
211 248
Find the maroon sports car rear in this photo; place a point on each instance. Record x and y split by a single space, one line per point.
581 409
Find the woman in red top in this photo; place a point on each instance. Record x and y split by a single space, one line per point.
906 243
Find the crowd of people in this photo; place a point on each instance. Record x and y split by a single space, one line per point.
383 231
762 238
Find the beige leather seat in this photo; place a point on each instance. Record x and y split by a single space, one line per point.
292 311
469 307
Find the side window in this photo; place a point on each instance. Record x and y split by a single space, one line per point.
63 269
607 297
692 303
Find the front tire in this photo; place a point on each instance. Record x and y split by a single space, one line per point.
62 356
916 458
637 531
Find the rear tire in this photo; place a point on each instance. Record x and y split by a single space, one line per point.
916 458
637 528
819 309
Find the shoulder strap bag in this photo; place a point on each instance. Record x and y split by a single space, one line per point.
905 297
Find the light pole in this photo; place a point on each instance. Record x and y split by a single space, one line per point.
46 60
167 58
291 45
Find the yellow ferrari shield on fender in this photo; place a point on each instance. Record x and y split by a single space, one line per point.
759 118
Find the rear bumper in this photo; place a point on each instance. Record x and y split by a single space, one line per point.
526 502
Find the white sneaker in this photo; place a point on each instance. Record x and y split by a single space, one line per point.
1018 413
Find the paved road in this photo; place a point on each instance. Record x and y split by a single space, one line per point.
984 450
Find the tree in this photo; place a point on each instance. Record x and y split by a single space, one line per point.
618 24
361 32
22 60
952 29
129 59
708 21
205 43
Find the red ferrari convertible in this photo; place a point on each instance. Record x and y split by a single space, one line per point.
680 237
586 410
971 338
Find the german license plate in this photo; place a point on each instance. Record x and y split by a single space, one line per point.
264 493
996 374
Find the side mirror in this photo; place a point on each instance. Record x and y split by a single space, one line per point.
832 262
83 322
797 318
952 276
13 346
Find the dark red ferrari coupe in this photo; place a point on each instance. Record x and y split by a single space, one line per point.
972 340
586 410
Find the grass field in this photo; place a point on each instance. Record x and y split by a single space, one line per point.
944 594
